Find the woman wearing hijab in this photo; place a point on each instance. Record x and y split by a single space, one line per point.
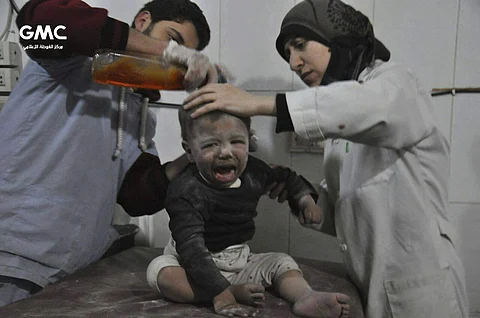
386 162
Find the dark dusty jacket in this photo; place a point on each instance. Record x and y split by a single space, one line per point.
205 219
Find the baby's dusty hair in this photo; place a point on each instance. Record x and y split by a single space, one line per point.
186 121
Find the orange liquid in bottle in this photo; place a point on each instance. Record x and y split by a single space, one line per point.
139 73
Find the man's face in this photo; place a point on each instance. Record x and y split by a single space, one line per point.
219 147
309 59
183 33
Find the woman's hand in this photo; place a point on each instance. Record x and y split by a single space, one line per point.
230 99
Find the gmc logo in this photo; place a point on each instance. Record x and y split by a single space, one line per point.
42 32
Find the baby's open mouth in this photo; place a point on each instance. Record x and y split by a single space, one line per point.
225 173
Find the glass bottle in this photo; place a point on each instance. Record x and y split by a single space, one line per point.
136 71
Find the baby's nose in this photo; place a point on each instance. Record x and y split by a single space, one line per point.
225 151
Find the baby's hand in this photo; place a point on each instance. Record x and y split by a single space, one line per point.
225 304
249 294
311 214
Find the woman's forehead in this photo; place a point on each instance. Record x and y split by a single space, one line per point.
289 41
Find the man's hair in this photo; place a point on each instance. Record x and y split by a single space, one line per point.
186 122
179 11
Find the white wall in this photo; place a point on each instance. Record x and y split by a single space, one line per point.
13 33
436 38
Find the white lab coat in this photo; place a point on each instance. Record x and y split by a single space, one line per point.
386 171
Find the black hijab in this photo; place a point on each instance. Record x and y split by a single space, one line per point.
347 32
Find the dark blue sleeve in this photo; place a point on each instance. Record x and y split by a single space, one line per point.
144 187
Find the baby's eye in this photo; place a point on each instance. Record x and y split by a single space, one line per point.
209 145
238 142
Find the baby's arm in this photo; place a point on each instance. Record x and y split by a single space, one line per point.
297 187
226 304
300 194
310 214
187 226
325 202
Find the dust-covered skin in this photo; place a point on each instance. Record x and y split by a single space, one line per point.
322 305
249 294
219 147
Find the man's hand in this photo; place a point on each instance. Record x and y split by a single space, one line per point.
199 68
249 294
311 215
175 167
225 304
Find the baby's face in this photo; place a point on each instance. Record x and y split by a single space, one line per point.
219 147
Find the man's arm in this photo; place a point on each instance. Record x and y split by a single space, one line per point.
145 185
87 28
173 168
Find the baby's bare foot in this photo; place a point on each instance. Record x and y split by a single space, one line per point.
322 305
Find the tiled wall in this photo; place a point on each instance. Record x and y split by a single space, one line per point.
438 39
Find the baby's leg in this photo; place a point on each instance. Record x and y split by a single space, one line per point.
307 302
165 275
173 283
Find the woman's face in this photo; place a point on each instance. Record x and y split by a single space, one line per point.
308 58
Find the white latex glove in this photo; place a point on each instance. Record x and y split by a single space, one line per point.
199 68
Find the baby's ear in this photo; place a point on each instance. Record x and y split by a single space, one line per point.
187 149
